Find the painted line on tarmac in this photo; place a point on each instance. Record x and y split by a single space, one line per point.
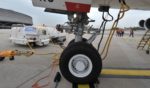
125 73
125 68
89 85
83 86
125 77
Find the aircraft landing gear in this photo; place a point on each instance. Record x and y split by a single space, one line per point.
80 62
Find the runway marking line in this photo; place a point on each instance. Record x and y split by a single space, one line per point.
125 72
120 72
83 86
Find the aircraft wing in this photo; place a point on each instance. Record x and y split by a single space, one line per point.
134 4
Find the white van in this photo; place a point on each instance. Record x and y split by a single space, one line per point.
55 36
23 35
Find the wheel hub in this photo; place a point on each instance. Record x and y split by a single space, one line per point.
80 65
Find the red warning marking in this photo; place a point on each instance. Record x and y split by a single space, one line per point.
77 7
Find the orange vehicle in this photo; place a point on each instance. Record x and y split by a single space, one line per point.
8 53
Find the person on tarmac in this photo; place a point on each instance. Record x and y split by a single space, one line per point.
131 33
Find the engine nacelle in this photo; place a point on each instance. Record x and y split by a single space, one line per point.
141 23
147 24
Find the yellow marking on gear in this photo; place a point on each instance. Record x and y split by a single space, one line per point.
83 86
126 72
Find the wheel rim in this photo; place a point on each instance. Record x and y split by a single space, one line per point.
80 65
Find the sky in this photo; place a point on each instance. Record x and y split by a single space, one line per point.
130 19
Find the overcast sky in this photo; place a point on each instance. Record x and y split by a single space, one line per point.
131 18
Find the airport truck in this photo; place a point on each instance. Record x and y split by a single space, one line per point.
25 35
56 37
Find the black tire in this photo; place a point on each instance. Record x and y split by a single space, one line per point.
84 49
147 51
32 44
2 58
12 58
72 41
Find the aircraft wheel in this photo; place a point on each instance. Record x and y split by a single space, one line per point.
2 58
80 63
72 41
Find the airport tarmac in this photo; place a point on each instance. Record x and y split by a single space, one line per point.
23 72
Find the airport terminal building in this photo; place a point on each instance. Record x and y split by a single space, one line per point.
9 17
